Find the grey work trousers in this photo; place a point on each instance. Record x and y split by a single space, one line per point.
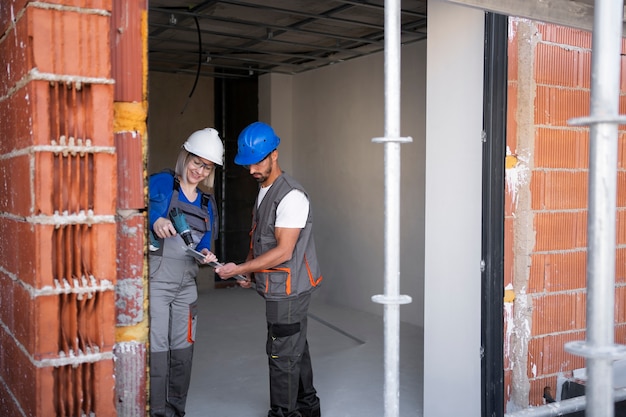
291 376
173 305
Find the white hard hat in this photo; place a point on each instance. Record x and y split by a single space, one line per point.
206 143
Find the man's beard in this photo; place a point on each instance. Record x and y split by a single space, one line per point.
263 176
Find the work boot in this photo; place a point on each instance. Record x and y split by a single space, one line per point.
315 412
281 413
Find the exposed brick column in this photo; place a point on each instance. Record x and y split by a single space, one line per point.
129 64
57 221
547 202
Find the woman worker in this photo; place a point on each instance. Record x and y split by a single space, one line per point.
174 199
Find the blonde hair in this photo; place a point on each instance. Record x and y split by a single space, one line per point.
183 159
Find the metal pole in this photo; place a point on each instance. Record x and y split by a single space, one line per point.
599 349
392 140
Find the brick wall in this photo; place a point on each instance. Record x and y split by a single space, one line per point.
129 69
546 208
71 274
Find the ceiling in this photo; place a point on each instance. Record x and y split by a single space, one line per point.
246 38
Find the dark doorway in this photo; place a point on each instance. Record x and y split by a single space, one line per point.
236 106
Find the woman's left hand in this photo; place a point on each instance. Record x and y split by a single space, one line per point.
208 256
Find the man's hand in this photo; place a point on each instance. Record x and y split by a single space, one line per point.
229 270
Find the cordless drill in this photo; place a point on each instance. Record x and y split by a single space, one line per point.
154 242
181 226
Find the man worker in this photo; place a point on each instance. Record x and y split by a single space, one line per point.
283 263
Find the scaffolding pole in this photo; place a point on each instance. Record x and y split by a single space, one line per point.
599 349
392 141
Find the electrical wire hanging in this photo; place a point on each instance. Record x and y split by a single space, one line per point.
195 83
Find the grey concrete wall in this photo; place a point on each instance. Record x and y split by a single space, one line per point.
172 116
335 112
276 108
452 326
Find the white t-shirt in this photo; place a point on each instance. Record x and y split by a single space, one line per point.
292 211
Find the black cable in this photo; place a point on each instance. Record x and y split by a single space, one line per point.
195 83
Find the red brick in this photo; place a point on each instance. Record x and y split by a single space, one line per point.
81 113
565 35
130 170
16 61
564 66
75 250
7 302
130 378
16 129
74 183
130 285
105 183
17 242
7 14
621 226
101 252
128 55
553 272
561 148
561 312
559 190
85 389
620 333
7 406
560 230
48 324
74 50
547 354
620 265
620 305
103 389
622 71
555 106
17 171
20 371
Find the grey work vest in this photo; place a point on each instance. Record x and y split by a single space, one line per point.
199 224
301 273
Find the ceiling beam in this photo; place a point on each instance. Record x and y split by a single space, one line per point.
573 13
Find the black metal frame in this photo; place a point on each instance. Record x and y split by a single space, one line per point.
494 152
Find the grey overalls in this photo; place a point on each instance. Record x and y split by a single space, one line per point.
287 290
173 298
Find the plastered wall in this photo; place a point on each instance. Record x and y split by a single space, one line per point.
173 115
326 144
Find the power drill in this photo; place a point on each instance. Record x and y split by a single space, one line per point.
181 226
154 242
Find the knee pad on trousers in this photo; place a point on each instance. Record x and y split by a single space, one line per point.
283 330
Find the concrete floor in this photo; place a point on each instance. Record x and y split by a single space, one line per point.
230 376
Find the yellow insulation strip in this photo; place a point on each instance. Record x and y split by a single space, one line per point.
509 296
129 117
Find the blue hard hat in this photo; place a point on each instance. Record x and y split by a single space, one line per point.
255 142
